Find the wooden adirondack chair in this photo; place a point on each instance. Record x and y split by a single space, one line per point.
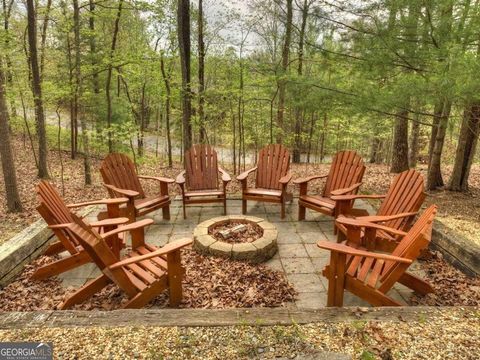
272 178
54 211
199 181
370 275
398 209
143 274
344 177
121 180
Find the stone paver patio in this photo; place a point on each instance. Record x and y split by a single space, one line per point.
298 256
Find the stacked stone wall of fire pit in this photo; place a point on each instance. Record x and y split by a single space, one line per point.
256 251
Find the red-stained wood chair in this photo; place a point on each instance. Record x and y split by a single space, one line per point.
54 211
199 181
121 180
345 177
142 274
272 178
370 275
398 209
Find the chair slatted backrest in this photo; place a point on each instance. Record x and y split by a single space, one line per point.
406 194
273 164
201 168
54 211
346 170
101 254
118 170
413 243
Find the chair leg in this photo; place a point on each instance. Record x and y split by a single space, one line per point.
61 266
282 204
418 285
175 273
54 248
225 205
86 291
166 212
184 210
301 212
244 206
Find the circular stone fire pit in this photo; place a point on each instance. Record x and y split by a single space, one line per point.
255 251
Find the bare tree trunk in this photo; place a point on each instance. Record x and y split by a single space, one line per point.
109 74
413 148
310 136
201 72
37 91
43 37
466 147
183 22
282 82
166 80
434 178
93 46
400 143
437 115
322 137
8 165
78 95
298 123
7 10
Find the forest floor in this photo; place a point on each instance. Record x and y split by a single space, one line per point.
460 211
450 334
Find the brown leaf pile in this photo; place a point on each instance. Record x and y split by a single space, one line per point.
452 287
209 282
25 294
252 232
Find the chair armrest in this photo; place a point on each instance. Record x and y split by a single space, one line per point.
133 226
225 176
353 197
171 247
308 179
366 224
157 178
346 190
128 193
285 179
245 174
180 179
110 222
342 248
60 226
382 218
99 202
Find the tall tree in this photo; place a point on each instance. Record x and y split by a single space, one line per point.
183 31
108 84
37 90
282 82
201 72
78 94
8 166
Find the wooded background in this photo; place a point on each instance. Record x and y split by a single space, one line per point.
396 81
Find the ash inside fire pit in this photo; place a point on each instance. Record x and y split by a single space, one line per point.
236 231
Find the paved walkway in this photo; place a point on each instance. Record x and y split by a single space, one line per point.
298 256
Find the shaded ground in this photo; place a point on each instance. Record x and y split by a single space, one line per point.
460 211
291 278
450 334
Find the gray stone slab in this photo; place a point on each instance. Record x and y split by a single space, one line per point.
277 218
307 226
288 237
311 300
179 236
297 265
157 240
274 264
312 237
315 252
292 251
320 263
305 282
160 229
